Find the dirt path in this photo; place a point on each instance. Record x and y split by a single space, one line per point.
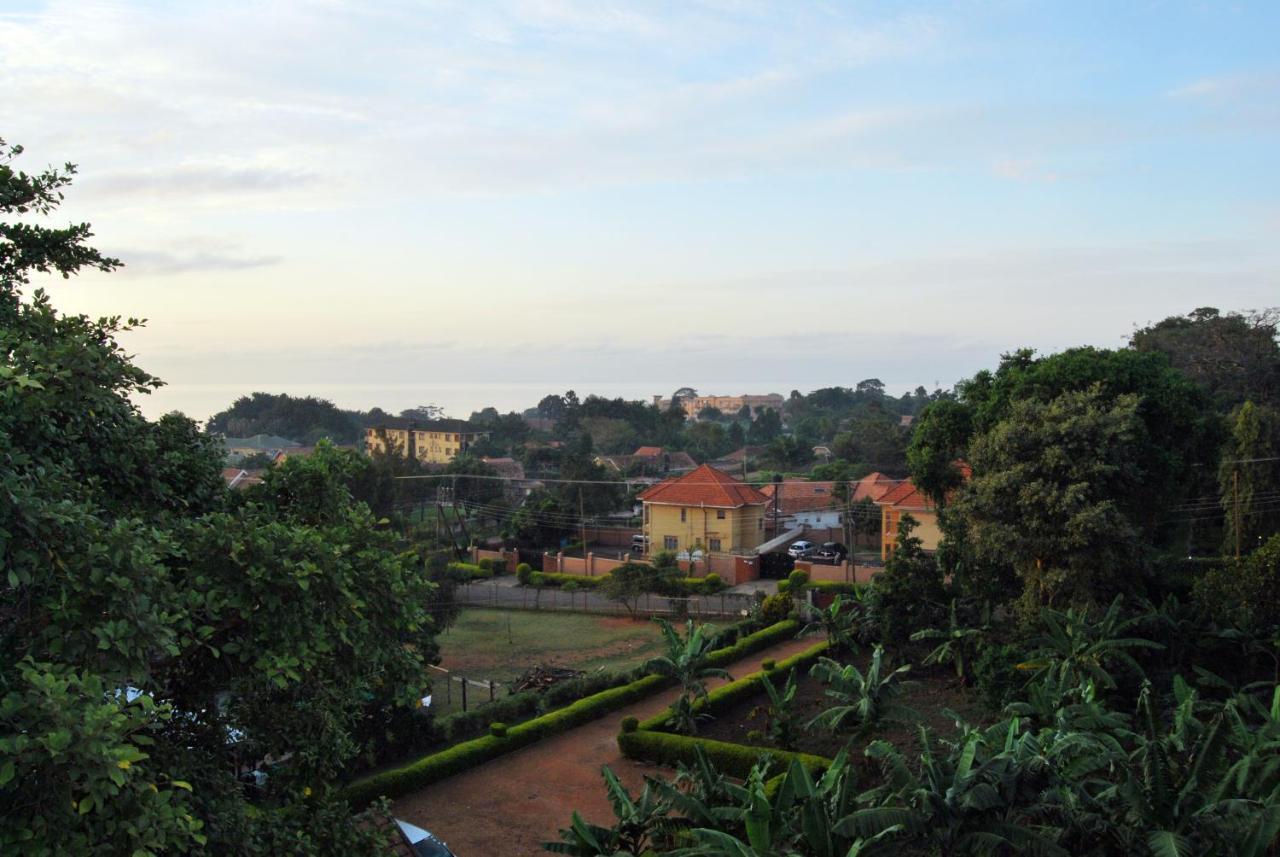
511 805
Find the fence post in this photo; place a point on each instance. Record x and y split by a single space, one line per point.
491 690
464 692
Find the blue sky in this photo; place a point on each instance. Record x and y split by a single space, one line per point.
467 203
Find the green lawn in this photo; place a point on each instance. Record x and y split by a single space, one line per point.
502 644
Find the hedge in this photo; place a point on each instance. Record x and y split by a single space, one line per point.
736 760
551 578
460 757
835 587
678 586
467 571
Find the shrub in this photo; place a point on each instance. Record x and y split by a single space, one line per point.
735 760
768 664
537 578
784 586
835 587
775 608
465 571
629 724
1244 593
996 675
523 572
797 580
498 730
755 736
551 578
493 566
712 583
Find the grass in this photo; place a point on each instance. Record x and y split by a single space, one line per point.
501 644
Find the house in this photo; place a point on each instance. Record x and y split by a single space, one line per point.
240 479
648 460
727 405
514 483
705 509
906 499
797 502
237 449
429 441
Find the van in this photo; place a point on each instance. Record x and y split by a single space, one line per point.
639 544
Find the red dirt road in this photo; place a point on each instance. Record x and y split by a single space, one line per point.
511 805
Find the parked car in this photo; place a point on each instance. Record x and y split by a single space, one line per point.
831 553
800 549
640 544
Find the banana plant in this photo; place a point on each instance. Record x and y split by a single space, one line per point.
1075 648
783 719
839 621
686 662
640 824
958 642
865 699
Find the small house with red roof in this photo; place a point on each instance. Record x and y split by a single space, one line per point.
704 510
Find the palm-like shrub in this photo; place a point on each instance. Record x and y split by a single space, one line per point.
839 622
686 662
1075 647
640 824
959 642
864 699
783 718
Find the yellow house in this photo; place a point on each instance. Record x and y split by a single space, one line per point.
429 441
906 499
705 509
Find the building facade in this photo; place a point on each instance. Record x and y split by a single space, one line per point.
704 510
428 441
906 499
728 405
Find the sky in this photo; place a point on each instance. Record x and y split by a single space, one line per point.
478 203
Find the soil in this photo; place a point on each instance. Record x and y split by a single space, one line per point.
936 691
511 805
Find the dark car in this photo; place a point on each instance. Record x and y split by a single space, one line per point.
831 553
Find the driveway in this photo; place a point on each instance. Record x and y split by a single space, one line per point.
513 804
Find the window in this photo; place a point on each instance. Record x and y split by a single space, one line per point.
719 514
714 545
682 515
670 543
760 524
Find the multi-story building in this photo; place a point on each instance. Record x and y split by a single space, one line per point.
906 499
727 405
704 510
428 441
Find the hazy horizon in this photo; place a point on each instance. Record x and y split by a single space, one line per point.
437 198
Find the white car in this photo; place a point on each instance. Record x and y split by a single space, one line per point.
800 549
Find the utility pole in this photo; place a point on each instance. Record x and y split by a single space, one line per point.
582 520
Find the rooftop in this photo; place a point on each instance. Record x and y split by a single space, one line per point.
704 486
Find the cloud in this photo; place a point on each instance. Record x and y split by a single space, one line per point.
193 181
1229 86
152 263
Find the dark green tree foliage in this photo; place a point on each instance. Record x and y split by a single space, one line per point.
873 439
1249 477
151 629
1050 494
1245 593
767 426
305 419
939 440
1233 357
910 593
483 489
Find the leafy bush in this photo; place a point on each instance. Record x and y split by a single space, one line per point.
775 608
797 579
465 571
996 675
629 724
493 566
551 578
768 664
498 730
524 572
735 760
1244 593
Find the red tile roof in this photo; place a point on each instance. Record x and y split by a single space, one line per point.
798 495
704 486
648 452
872 486
905 495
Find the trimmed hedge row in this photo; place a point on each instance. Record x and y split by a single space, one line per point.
736 760
551 578
835 587
466 571
468 754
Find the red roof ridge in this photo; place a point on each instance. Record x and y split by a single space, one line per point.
704 486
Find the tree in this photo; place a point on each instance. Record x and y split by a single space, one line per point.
153 627
910 592
767 426
1233 357
938 441
422 413
1249 477
626 583
305 420
1051 494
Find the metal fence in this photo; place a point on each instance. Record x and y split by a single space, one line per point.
725 604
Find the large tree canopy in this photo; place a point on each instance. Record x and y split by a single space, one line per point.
156 634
